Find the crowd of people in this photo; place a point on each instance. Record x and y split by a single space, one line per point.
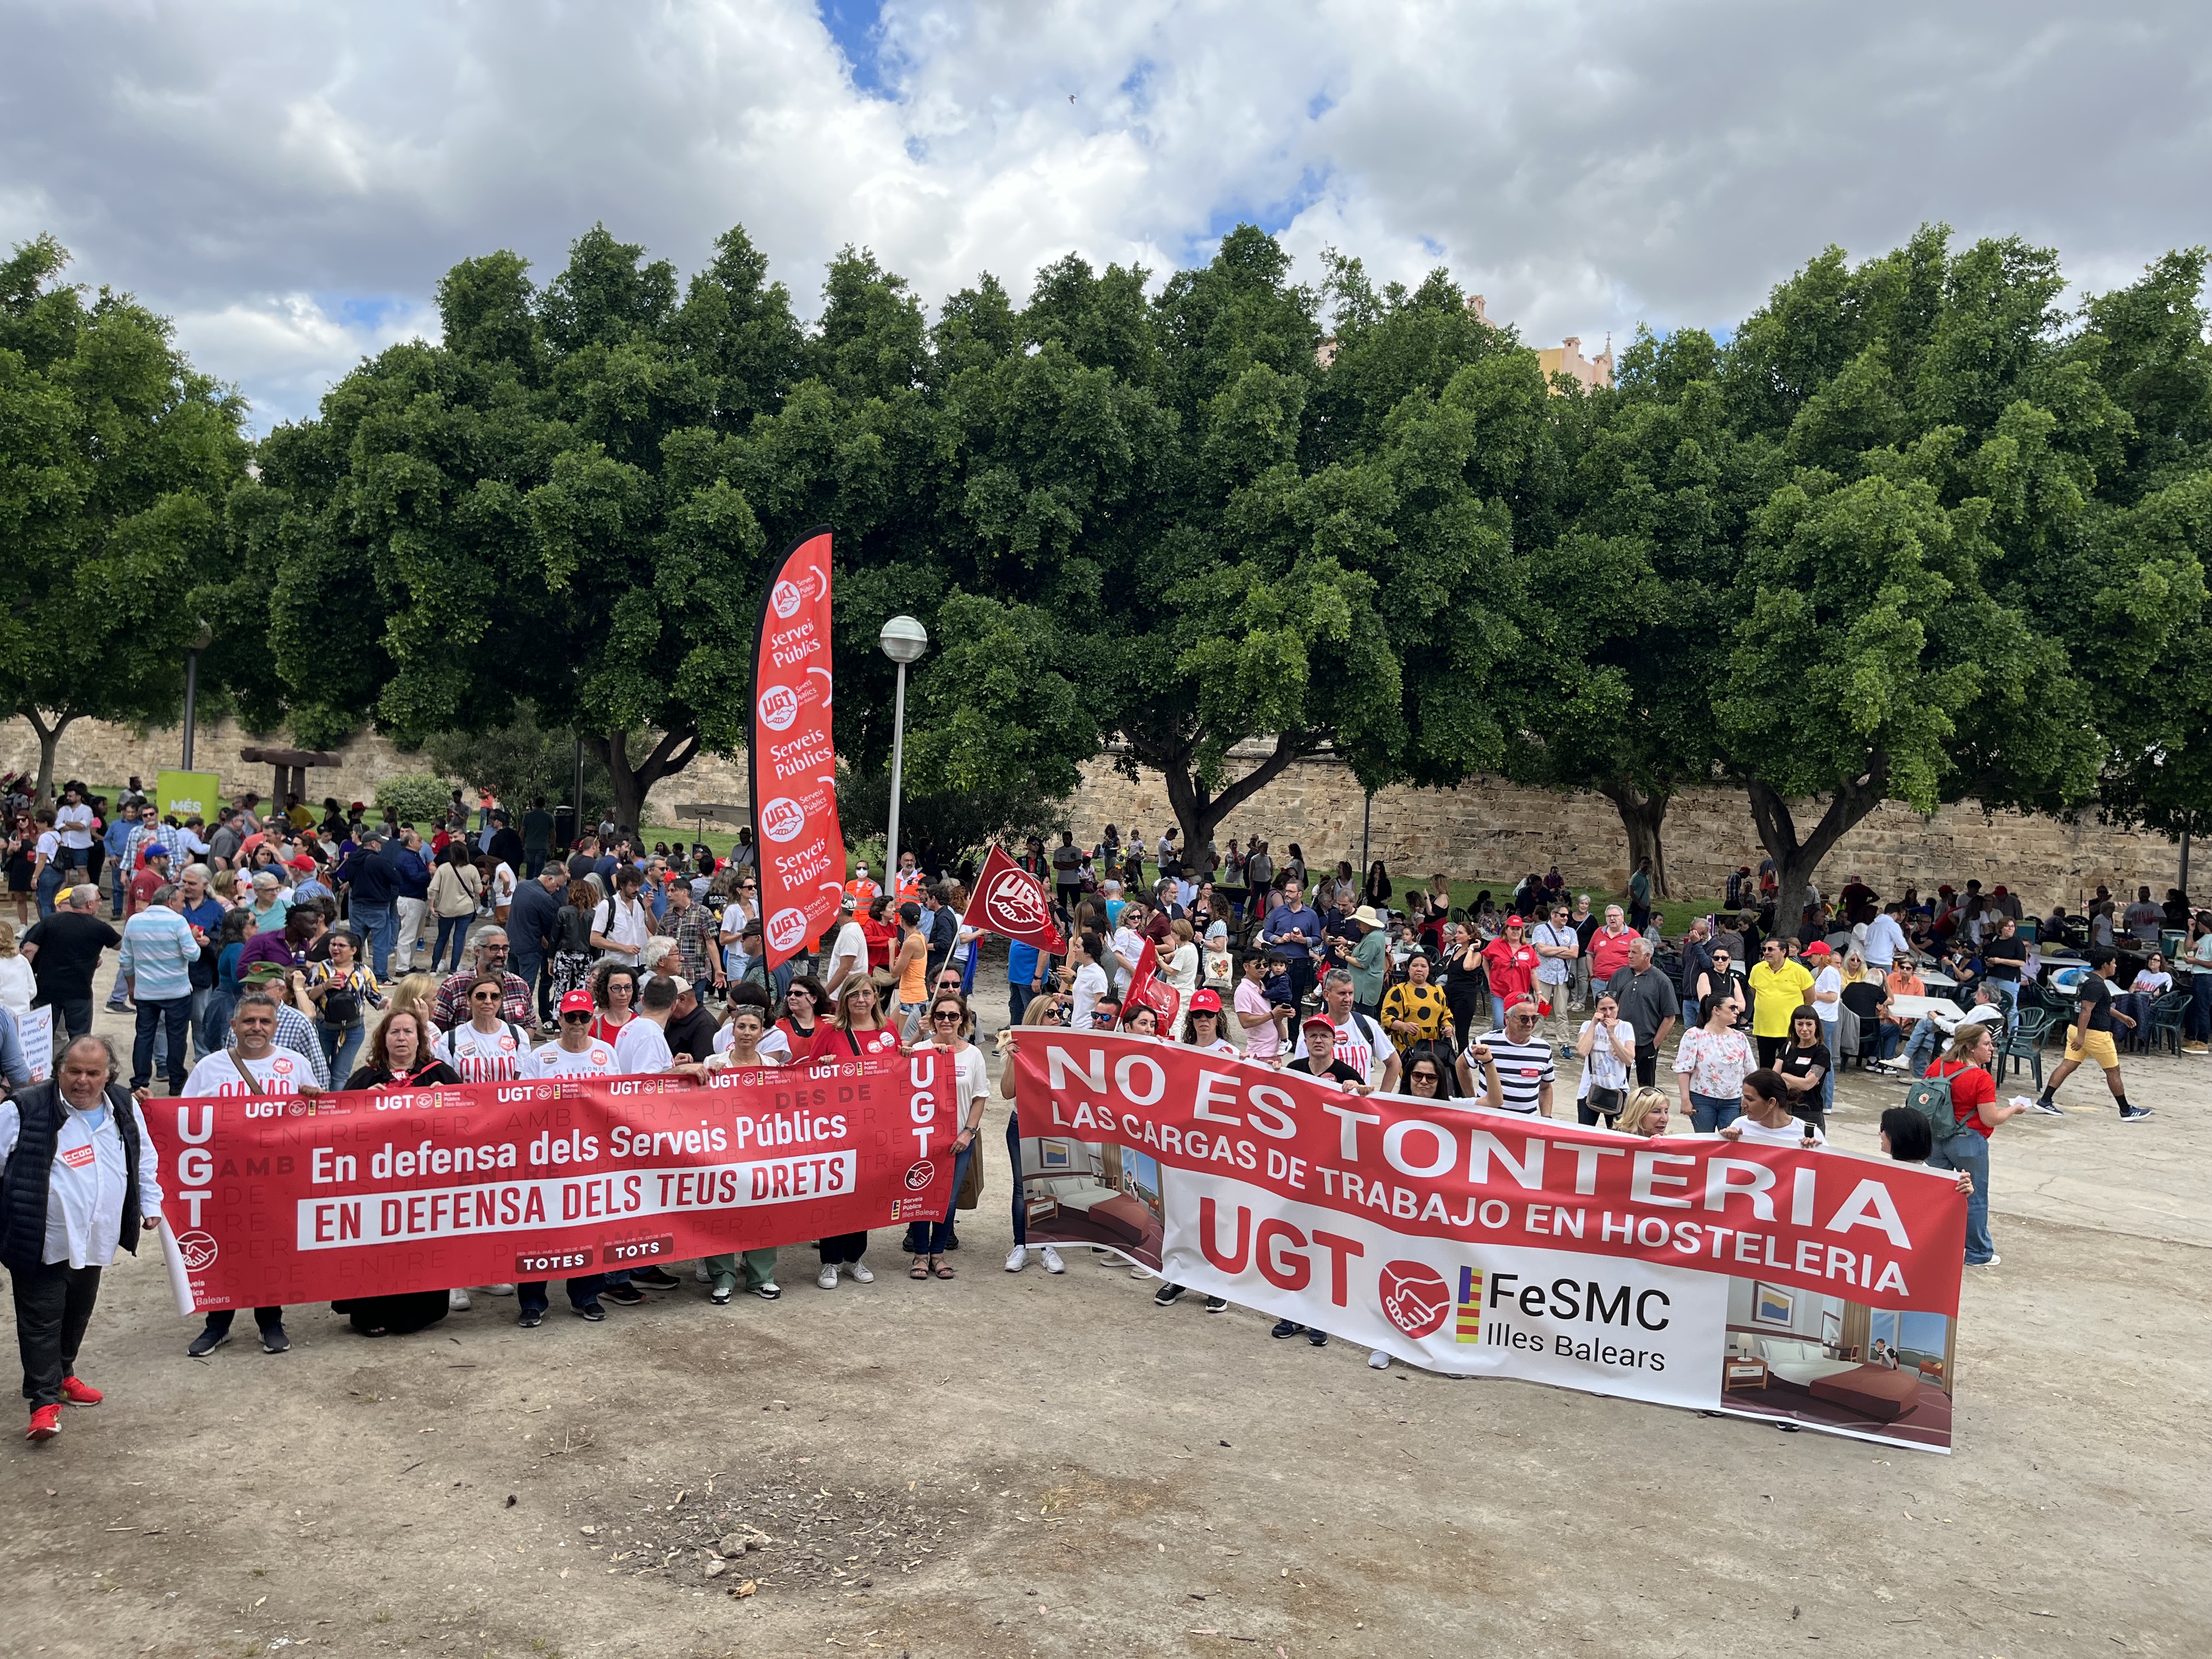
291 953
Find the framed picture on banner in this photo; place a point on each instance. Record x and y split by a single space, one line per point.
1772 1305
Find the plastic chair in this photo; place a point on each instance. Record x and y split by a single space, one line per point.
2024 1044
2167 1014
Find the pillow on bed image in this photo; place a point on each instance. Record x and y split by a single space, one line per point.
1783 1350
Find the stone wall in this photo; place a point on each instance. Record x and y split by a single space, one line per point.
103 754
1492 830
1486 829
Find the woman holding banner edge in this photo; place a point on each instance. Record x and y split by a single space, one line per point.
1041 1011
948 1023
859 1028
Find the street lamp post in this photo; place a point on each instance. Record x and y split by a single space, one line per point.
201 641
903 641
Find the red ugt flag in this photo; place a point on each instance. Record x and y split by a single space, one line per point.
1009 901
794 764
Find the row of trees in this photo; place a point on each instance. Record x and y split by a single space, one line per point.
1914 532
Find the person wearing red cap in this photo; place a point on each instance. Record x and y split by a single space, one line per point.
578 1054
1201 1026
1317 1059
1512 962
1828 1003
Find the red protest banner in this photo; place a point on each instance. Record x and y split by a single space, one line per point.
794 761
281 1198
1690 1269
1010 902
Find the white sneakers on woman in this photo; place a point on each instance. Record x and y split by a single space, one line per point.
827 1278
1019 1258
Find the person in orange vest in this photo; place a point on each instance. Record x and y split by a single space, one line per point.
864 892
906 881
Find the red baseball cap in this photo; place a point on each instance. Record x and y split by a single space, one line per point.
1312 1020
1205 1002
303 862
1515 922
1819 947
576 1002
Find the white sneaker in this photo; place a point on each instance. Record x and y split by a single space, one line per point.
457 1301
862 1271
497 1290
1378 1361
701 1276
1017 1258
1142 1273
1052 1264
827 1278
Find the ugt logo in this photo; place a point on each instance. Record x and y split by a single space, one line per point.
1414 1297
779 707
1014 905
782 819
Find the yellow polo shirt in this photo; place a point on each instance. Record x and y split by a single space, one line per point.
1776 996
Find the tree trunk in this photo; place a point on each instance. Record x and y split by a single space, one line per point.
632 783
50 738
1642 813
1794 861
1198 811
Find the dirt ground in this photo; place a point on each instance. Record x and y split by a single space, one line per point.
1037 1465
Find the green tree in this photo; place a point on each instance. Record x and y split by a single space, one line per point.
116 459
540 511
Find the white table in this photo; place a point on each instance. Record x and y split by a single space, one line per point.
1921 1007
1930 977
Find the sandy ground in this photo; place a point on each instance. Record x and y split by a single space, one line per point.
1041 1465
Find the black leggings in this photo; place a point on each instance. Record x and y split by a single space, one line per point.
1769 1050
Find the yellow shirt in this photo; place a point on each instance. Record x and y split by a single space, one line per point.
1423 1004
1776 996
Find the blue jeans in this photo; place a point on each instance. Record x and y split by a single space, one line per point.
377 923
1920 1051
1887 1039
936 1235
1019 997
215 1020
1971 1152
175 1016
1710 1113
455 928
340 1044
530 967
1497 1011
1691 1017
50 883
1014 1161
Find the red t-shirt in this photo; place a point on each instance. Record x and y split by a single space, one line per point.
1512 968
1972 1088
832 1043
1609 953
143 886
880 935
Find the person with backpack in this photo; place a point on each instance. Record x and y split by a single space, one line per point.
1958 1098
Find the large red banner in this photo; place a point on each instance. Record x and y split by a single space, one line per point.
281 1199
794 760
1010 902
1691 1269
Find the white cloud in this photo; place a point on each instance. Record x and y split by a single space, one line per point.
1587 166
285 349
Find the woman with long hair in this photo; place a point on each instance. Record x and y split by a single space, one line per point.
1768 1117
1710 1066
1377 889
456 891
339 991
400 1057
486 1048
1968 1065
805 1004
1179 963
857 1028
966 1090
571 964
1467 980
614 993
18 984
1644 1114
417 993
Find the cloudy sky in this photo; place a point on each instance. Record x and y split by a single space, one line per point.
289 180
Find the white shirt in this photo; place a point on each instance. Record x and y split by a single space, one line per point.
502 886
773 1044
18 985
74 825
641 1048
1221 1046
851 945
279 1072
1127 942
84 1191
1090 985
1886 943
1830 978
500 1056
597 1060
628 925
1181 970
1792 1134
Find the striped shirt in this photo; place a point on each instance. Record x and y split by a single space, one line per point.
1523 1068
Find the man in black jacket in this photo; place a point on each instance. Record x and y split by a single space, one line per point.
372 889
77 1180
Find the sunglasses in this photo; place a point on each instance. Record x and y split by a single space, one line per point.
485 996
575 1019
1519 1019
939 1019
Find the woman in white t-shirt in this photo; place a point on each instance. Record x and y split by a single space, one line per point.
1202 1027
1043 1010
486 1049
1087 953
1767 1118
578 1054
947 1046
18 985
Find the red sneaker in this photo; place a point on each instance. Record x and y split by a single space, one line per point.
46 1423
78 1392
